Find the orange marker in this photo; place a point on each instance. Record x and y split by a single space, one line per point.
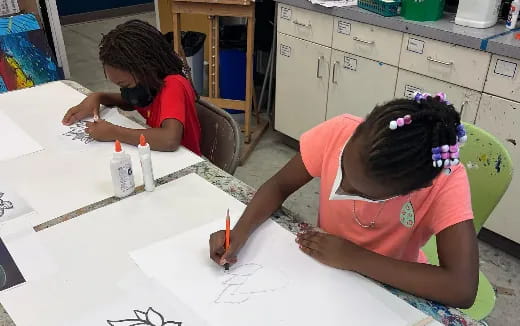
228 234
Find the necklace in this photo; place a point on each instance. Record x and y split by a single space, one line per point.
372 224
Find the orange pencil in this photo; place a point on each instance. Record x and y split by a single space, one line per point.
228 233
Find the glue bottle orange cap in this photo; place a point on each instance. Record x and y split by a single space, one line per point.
118 146
142 140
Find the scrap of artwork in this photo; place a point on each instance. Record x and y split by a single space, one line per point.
148 318
10 275
77 132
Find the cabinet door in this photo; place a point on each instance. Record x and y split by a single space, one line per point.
503 78
501 118
464 99
306 24
357 84
302 75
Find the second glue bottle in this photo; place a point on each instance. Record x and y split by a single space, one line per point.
145 157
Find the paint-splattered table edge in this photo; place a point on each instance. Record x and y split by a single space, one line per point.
287 219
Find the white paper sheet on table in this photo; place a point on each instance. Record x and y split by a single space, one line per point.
15 141
63 178
273 283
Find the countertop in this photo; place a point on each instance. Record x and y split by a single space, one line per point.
496 39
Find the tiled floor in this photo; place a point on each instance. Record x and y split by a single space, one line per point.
81 42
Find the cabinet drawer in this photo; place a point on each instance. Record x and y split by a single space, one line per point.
501 118
305 24
368 41
302 76
465 100
358 84
502 78
444 61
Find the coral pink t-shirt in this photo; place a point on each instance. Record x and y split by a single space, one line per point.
445 203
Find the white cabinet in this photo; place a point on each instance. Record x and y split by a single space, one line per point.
302 76
501 118
366 40
503 79
305 24
448 62
465 100
357 84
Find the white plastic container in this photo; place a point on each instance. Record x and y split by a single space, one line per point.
122 174
477 13
512 18
145 156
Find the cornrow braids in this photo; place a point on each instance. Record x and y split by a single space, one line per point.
403 156
139 48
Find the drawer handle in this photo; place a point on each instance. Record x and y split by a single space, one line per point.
363 41
295 22
318 70
334 72
439 61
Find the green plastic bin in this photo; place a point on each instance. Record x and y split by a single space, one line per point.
422 10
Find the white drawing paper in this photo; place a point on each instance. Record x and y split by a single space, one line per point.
15 141
273 283
12 205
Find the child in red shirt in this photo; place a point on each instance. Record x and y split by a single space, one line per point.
137 58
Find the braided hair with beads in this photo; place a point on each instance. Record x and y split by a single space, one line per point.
400 152
139 48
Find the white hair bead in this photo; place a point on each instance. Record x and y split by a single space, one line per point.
393 125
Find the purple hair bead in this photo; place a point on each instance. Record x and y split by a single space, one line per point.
445 155
417 96
454 148
407 119
436 150
400 122
441 96
445 148
436 157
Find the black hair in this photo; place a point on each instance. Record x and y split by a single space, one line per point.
139 48
403 157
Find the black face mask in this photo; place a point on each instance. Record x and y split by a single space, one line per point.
137 96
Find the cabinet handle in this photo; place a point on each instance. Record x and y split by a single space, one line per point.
318 72
439 61
295 22
363 41
463 106
334 72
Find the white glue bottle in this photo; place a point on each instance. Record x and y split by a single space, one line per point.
122 174
145 156
512 18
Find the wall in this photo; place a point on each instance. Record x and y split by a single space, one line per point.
71 7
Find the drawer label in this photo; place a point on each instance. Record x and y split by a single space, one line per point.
415 45
285 50
505 68
410 90
285 13
343 27
350 63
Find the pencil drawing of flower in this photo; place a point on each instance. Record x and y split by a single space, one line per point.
4 204
77 132
148 318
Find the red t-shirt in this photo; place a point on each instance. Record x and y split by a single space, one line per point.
175 100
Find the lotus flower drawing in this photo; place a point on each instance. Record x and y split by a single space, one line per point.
148 318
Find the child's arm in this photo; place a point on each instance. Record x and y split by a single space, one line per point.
167 138
90 106
266 201
454 282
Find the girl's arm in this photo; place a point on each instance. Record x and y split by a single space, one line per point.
167 138
454 282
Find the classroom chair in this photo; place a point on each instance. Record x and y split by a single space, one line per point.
490 171
220 139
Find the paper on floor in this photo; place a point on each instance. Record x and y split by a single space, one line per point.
274 283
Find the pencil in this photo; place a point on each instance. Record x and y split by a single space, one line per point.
228 231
